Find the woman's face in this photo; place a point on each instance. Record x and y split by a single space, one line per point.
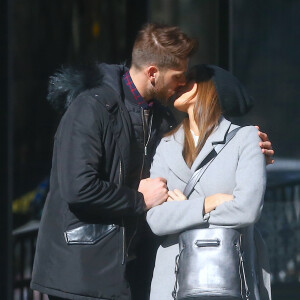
185 97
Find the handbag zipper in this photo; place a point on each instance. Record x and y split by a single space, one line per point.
242 268
207 243
177 258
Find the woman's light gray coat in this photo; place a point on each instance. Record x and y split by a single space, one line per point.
239 169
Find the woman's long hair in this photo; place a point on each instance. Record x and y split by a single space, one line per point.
207 112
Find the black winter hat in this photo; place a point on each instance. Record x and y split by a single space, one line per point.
233 98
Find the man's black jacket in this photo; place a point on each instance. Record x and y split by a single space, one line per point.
81 247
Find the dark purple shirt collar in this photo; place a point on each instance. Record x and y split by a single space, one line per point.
136 95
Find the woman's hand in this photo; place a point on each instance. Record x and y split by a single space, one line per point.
176 195
211 202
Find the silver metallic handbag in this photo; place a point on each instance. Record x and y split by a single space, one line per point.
210 265
210 262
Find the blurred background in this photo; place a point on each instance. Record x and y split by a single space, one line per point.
256 40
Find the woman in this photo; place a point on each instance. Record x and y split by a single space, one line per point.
229 194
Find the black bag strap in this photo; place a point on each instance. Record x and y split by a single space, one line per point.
207 161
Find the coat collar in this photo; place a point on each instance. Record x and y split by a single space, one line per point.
174 147
217 137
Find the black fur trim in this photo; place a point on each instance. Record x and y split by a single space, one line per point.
68 82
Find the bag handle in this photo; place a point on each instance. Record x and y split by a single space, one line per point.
207 161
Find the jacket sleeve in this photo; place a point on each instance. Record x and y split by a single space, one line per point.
80 159
172 217
250 177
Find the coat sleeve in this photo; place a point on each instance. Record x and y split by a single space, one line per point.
177 216
80 159
159 168
250 177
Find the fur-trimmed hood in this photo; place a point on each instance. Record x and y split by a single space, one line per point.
68 82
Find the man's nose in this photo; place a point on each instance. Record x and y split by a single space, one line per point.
181 83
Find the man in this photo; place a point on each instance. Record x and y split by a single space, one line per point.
99 187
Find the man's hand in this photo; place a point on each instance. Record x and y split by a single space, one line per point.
154 190
211 202
176 195
266 147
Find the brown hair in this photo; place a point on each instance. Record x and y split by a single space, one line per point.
161 45
207 112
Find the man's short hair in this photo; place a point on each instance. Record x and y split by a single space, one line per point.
161 45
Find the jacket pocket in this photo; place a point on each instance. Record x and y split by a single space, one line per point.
88 234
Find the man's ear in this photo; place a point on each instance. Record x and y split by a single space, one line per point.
152 74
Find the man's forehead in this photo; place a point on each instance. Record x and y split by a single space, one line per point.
180 69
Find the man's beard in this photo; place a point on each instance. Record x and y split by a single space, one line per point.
160 93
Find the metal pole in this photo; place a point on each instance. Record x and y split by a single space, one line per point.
223 34
6 149
137 15
230 37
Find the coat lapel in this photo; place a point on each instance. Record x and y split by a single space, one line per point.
217 137
173 156
174 146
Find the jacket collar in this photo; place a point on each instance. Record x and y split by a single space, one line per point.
174 147
113 100
112 76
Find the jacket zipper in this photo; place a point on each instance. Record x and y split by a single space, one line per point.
123 225
144 154
143 122
123 246
145 142
150 131
120 174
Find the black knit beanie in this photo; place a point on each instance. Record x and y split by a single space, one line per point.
233 98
